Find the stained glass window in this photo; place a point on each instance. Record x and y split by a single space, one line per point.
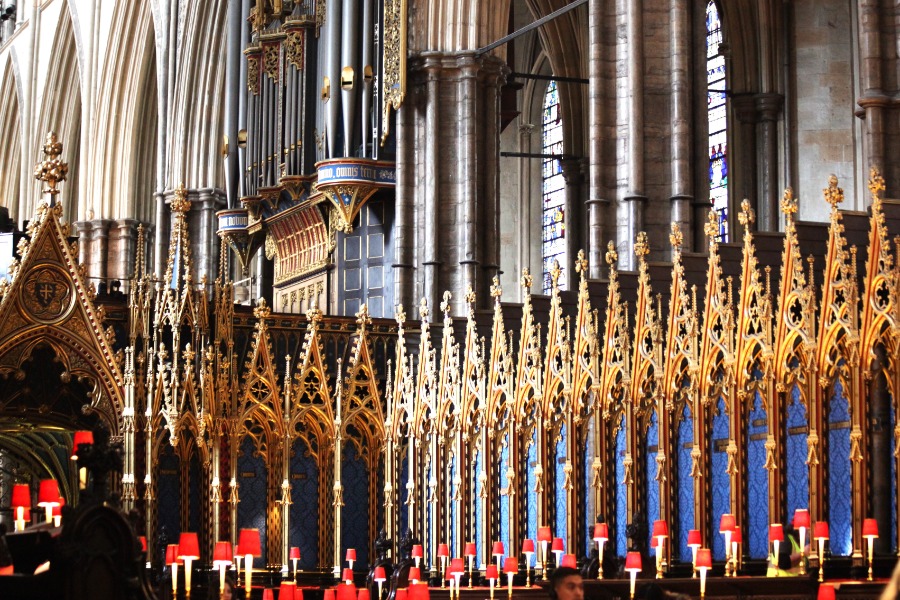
718 121
553 191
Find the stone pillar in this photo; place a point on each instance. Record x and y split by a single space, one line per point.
634 199
682 130
597 204
873 99
432 209
571 171
490 259
744 150
404 232
468 208
207 259
83 228
769 110
526 219
98 266
122 239
163 227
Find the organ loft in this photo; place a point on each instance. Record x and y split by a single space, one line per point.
413 298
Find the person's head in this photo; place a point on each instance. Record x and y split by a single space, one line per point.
566 584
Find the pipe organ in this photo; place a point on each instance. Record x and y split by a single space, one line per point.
723 384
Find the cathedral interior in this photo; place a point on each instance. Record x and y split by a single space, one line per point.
404 279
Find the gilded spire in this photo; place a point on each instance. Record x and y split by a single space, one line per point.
51 170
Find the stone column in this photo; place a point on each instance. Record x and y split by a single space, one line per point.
83 228
873 99
571 171
682 130
634 199
745 184
769 110
98 267
208 202
163 227
123 233
597 204
404 232
526 220
432 240
469 205
490 265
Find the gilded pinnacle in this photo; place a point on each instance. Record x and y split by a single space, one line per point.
876 184
51 170
423 308
555 272
445 305
470 295
362 317
676 238
712 225
641 245
581 263
527 279
788 202
611 255
400 315
262 311
746 217
180 202
833 194
496 290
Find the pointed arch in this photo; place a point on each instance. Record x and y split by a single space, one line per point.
11 151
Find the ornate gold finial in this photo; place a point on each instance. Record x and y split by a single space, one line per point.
470 295
527 280
262 310
789 203
496 290
555 272
833 194
641 245
51 170
712 225
746 217
362 317
445 305
180 203
581 263
676 238
876 184
611 255
423 309
400 315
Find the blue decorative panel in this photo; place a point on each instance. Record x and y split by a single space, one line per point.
796 469
504 499
652 445
355 527
454 514
479 503
252 507
685 483
719 481
194 496
621 491
304 522
560 474
168 492
756 538
590 513
839 495
530 495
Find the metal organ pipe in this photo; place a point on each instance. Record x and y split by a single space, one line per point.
242 101
350 69
332 72
368 73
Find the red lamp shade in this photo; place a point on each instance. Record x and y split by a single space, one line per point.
544 534
601 532
415 574
443 550
351 554
511 565
568 560
363 594
417 551
21 496
821 530
188 546
776 532
222 554
249 542
528 547
557 545
870 528
49 493
347 574
736 535
660 528
286 590
694 538
418 591
298 593
295 553
81 438
704 558
143 540
470 549
456 566
400 595
654 542
633 561
171 554
826 592
726 523
346 591
57 510
491 572
268 594
498 549
801 518
328 594
379 575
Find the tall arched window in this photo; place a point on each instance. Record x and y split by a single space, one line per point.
718 120
553 190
